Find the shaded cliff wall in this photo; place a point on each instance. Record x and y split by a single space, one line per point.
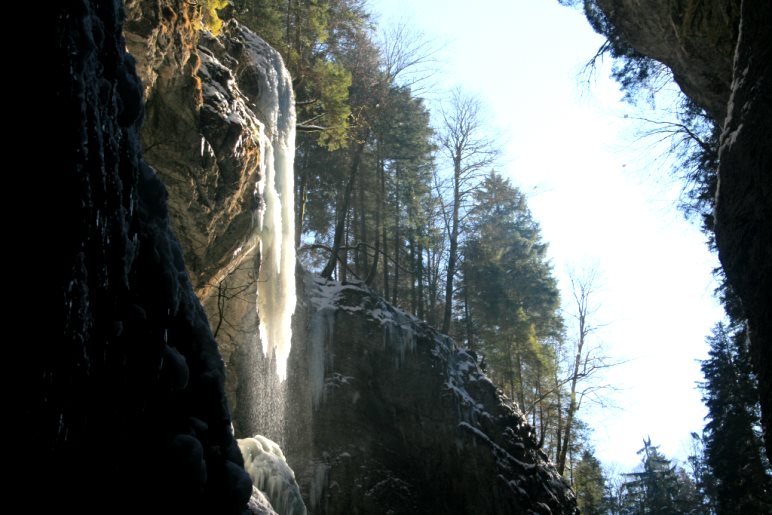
720 54
695 39
385 415
127 408
743 220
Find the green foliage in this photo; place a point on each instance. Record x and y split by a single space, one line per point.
330 112
511 295
659 488
314 38
506 260
210 20
589 485
702 475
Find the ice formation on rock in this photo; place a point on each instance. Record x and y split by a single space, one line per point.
266 465
275 224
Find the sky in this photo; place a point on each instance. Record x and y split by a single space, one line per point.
602 196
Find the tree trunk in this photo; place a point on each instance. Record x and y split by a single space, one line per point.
559 427
340 225
397 242
572 406
469 324
434 280
420 278
301 197
384 235
451 272
343 255
414 268
521 392
301 208
542 422
361 253
378 217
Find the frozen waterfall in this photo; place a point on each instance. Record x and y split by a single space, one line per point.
275 224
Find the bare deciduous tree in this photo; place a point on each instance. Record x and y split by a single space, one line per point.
587 361
471 153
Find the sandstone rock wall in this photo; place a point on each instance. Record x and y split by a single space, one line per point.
695 39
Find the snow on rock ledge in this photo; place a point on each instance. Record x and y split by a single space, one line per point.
400 420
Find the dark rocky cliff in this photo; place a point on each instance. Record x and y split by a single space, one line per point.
129 410
721 55
392 418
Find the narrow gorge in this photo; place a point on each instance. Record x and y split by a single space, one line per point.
197 367
375 411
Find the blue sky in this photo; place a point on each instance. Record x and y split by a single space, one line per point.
603 199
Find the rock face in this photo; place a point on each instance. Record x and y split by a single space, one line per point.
420 430
129 409
394 419
720 54
694 39
744 198
203 141
215 138
383 415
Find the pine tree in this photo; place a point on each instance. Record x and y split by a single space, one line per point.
702 475
734 448
509 293
589 485
657 489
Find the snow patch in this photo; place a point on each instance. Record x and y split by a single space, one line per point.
500 453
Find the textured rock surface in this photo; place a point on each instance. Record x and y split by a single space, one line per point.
129 409
391 418
720 54
202 136
695 39
744 201
161 35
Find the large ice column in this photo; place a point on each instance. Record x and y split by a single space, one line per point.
275 222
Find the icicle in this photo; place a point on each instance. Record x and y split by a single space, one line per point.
276 220
320 332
